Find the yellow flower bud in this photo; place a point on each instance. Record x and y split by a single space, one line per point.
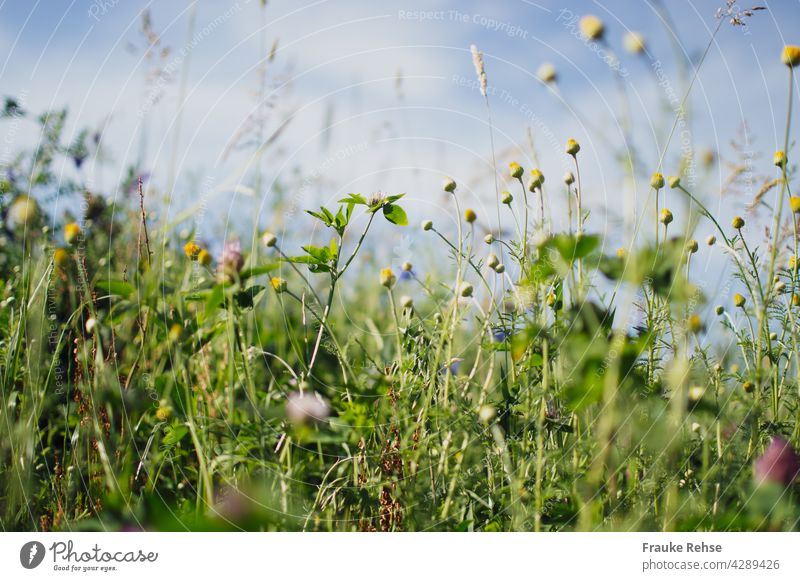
738 300
779 159
427 225
407 266
657 181
163 413
71 233
674 181
191 250
470 215
573 147
694 323
204 257
60 257
492 261
738 222
634 42
794 202
516 170
536 181
748 386
569 179
278 284
666 216
692 246
269 239
449 185
790 55
622 253
500 268
175 332
387 278
466 290
591 27
506 198
547 73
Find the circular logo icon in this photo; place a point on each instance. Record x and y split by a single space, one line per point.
31 554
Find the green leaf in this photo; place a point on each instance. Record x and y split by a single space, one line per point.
116 287
214 300
395 215
354 199
246 298
258 270
174 435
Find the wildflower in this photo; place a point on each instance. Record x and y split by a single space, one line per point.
794 202
696 393
191 250
694 323
666 216
506 198
204 257
591 27
449 185
387 278
278 284
407 266
406 302
780 286
71 233
657 181
163 413
569 179
547 73
500 268
790 55
551 299
793 262
779 159
486 413
488 239
60 257
499 335
455 365
91 323
465 290
720 310
773 336
269 239
175 332
739 300
796 300
634 42
23 211
621 252
516 170
711 240
692 246
302 408
231 259
492 261
748 386
573 147
674 181
470 216
779 463
427 225
536 181
738 222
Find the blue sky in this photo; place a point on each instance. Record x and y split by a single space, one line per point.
349 126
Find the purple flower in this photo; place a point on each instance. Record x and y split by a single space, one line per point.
231 260
778 463
499 335
406 274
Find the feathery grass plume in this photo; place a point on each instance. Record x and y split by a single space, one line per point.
480 70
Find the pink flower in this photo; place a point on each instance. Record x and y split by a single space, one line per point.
231 260
306 407
778 463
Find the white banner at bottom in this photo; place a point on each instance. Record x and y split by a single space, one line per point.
389 556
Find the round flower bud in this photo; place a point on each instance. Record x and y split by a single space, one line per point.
739 300
204 257
779 287
591 27
500 268
60 257
465 290
634 42
773 336
796 300
406 302
175 332
779 159
666 216
738 222
694 323
506 198
748 386
794 202
71 233
569 179
621 252
536 181
551 299
449 185
547 73
191 250
427 225
657 181
278 284
695 393
492 261
387 278
711 240
488 239
516 170
23 210
91 323
407 266
720 310
692 246
790 55
269 239
674 181
486 413
573 147
470 215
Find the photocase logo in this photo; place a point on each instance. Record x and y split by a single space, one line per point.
31 554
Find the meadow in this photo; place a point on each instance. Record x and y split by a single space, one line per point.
154 381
